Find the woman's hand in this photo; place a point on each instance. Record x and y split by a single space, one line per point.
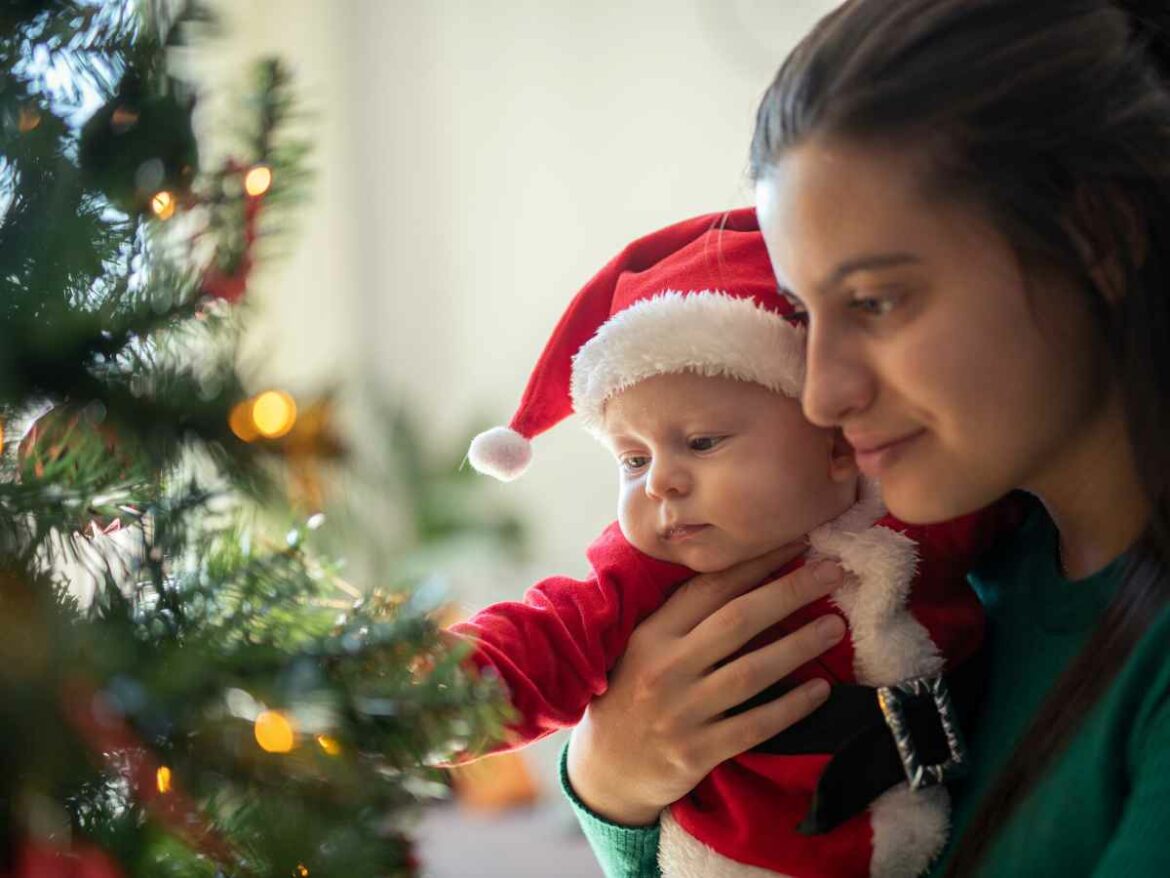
659 728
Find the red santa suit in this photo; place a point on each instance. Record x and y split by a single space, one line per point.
700 296
910 614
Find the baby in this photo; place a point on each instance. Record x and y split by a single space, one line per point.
682 356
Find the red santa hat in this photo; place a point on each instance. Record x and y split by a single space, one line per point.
698 296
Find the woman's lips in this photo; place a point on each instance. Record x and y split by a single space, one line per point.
873 457
677 533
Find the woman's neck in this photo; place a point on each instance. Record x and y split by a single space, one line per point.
1094 495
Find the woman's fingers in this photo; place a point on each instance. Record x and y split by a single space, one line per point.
735 682
702 595
743 617
733 735
664 687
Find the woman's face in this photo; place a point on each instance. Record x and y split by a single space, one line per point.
956 375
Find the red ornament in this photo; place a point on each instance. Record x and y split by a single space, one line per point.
108 734
230 285
38 859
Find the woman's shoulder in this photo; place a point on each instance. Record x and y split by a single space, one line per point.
1143 688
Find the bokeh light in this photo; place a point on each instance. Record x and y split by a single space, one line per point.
240 420
257 180
163 205
274 731
273 413
330 745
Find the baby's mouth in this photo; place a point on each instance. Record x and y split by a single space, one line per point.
676 533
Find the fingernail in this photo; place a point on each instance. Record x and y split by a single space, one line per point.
831 627
827 572
818 690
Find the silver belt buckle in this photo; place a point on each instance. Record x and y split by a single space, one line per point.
892 700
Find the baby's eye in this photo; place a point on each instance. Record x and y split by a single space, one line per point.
705 443
633 462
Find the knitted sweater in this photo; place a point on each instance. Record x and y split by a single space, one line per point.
1103 808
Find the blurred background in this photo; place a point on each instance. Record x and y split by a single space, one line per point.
475 163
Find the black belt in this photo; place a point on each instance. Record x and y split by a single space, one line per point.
879 736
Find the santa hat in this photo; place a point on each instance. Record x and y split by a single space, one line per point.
698 296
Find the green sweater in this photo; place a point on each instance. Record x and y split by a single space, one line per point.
1103 808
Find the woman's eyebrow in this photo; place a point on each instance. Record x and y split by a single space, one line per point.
864 263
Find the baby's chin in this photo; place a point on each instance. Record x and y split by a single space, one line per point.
700 558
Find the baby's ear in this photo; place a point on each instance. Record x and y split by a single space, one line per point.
842 463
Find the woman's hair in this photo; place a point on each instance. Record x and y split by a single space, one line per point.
1053 116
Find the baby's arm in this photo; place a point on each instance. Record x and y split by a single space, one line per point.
553 649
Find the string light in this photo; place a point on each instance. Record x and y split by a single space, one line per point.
163 205
273 413
240 420
163 779
301 871
257 180
330 745
274 731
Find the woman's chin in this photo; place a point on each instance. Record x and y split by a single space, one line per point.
927 501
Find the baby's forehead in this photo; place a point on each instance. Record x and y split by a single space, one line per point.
664 400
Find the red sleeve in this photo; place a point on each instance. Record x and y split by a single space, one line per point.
554 648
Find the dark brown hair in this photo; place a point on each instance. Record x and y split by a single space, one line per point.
1053 116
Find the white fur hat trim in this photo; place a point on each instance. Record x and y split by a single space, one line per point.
500 452
710 333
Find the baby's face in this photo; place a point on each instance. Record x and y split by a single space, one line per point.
715 471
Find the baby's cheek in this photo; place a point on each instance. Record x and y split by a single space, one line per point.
632 519
776 502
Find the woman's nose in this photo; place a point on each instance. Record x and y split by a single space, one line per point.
667 478
837 382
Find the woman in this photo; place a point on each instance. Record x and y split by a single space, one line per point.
972 202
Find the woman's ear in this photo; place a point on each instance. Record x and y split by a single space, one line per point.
842 463
1109 230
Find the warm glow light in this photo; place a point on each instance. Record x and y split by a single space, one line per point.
240 420
29 119
274 413
301 871
257 180
163 205
274 731
329 745
163 779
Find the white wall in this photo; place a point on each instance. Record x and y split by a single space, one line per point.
303 335
503 152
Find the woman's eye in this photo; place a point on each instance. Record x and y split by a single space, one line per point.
873 306
633 463
705 443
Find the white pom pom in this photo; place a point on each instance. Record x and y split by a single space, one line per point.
500 452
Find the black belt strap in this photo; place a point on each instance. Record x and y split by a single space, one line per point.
866 761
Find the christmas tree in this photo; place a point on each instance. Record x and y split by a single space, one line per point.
186 687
